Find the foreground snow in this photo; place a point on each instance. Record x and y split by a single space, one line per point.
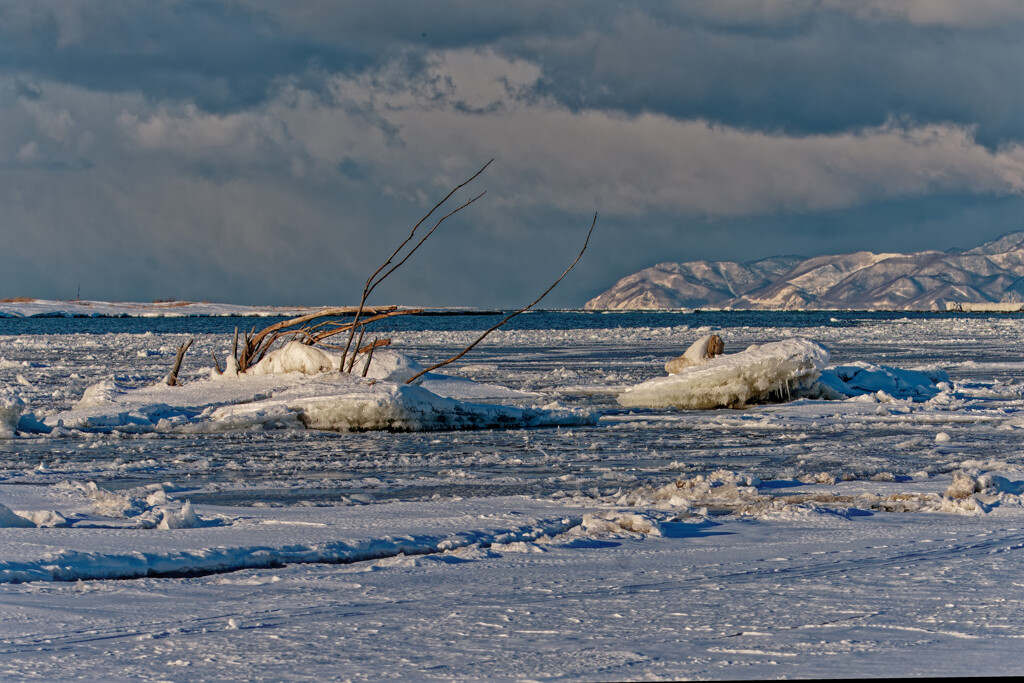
817 580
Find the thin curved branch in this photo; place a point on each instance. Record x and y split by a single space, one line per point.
370 284
511 315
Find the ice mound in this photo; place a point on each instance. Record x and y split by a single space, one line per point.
761 373
295 357
388 365
859 378
11 408
358 406
289 390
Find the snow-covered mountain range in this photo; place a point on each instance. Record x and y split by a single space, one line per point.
927 280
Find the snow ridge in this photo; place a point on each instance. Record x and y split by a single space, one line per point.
75 565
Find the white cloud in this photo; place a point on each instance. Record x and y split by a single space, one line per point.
28 152
427 133
191 131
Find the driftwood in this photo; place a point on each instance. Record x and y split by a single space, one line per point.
256 345
377 277
511 315
369 352
172 377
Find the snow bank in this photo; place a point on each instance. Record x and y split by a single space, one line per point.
760 373
289 389
94 547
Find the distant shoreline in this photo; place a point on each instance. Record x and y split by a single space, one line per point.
47 308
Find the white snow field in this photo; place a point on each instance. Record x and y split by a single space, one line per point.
215 531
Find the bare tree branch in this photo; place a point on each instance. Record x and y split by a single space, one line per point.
172 376
511 315
373 281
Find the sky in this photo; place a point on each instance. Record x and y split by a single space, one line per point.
267 152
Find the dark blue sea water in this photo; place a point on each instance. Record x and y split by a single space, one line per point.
531 320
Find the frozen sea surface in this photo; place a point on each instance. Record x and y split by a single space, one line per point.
866 577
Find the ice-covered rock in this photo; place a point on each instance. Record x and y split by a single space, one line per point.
699 353
761 373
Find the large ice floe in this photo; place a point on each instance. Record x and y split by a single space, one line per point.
295 387
776 371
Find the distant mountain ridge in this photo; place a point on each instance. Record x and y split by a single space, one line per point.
927 280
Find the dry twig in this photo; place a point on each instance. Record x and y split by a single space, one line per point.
374 280
511 315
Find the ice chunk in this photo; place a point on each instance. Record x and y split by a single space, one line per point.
760 373
186 519
11 408
8 518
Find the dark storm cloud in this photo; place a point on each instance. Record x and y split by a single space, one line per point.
155 149
826 77
800 68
